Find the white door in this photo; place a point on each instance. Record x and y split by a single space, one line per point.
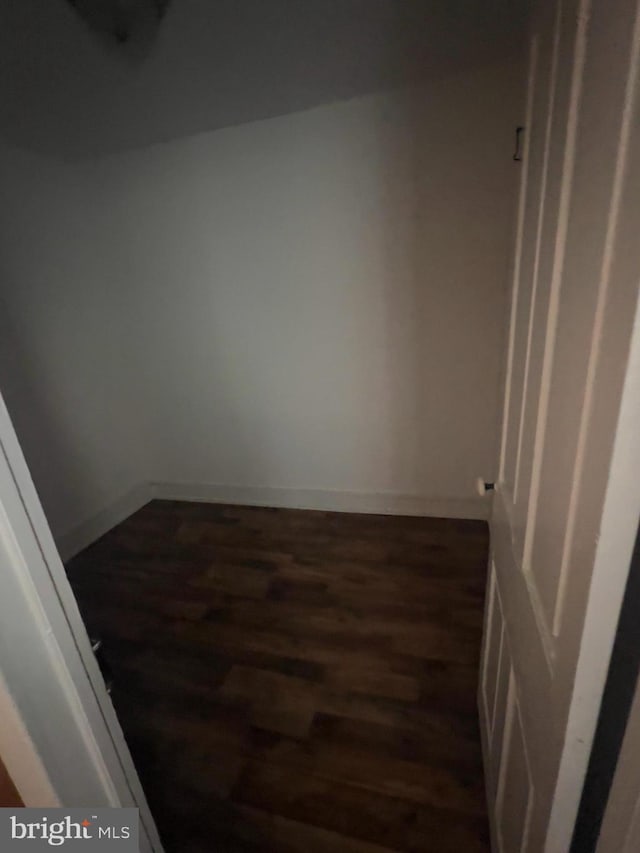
59 733
565 507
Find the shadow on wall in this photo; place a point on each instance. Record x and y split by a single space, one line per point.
66 371
41 428
213 65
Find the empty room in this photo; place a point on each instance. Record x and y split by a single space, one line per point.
320 377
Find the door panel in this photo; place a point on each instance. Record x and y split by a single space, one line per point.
579 315
517 793
524 264
501 705
568 346
527 331
495 630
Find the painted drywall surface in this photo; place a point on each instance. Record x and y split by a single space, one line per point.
214 64
313 302
66 369
323 293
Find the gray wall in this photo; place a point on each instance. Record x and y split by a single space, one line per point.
307 308
68 366
214 63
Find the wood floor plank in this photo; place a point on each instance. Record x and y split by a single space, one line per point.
348 809
281 703
376 681
290 836
295 681
334 754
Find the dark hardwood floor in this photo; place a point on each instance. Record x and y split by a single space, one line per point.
296 681
9 797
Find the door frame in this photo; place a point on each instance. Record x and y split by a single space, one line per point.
614 553
20 757
612 776
72 749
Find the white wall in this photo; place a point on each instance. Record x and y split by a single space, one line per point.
310 302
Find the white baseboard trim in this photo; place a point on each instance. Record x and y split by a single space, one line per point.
83 534
383 503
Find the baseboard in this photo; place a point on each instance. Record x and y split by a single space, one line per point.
383 503
83 534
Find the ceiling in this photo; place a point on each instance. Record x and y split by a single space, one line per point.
213 63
